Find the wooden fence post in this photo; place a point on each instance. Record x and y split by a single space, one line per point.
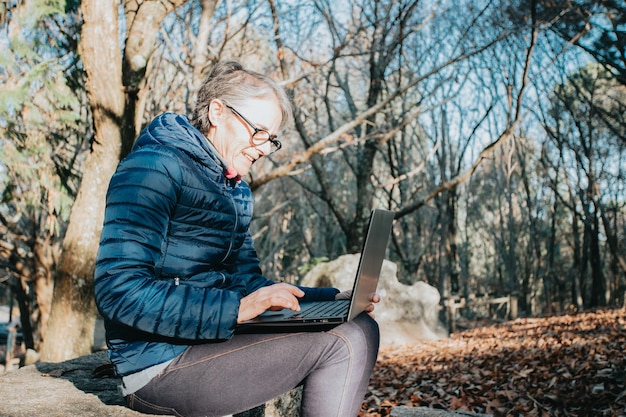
513 311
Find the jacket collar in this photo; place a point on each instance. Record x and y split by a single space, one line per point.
175 130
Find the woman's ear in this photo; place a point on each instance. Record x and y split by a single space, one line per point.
216 111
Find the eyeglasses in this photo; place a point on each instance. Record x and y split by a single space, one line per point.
260 136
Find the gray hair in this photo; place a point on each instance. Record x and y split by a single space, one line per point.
231 82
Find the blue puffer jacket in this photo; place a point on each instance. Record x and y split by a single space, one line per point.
176 254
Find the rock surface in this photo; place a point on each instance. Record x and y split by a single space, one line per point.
69 389
403 411
407 314
61 390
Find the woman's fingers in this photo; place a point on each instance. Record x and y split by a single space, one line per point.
272 297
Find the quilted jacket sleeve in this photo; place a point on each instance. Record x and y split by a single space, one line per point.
141 199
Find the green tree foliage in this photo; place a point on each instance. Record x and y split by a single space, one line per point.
596 26
43 131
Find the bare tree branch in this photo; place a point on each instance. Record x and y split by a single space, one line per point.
339 133
489 149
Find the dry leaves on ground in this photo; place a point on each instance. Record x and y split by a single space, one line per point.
570 365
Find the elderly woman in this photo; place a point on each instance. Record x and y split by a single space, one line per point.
177 270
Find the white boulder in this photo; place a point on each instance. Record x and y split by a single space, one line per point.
407 314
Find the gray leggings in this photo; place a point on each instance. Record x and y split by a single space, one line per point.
217 379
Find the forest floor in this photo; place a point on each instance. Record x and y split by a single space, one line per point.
567 365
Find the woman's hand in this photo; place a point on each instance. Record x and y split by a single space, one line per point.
272 297
374 298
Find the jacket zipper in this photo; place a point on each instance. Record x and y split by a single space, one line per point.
232 234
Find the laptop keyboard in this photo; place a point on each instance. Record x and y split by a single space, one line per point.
325 309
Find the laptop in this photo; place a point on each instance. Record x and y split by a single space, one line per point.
322 315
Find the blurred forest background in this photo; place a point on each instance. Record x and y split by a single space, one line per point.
496 130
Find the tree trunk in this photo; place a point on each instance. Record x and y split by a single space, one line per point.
46 252
23 304
201 52
577 294
113 87
364 197
71 325
617 265
599 294
143 21
451 237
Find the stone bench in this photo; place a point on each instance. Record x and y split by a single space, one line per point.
403 411
70 389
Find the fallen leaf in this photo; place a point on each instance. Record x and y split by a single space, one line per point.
568 365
